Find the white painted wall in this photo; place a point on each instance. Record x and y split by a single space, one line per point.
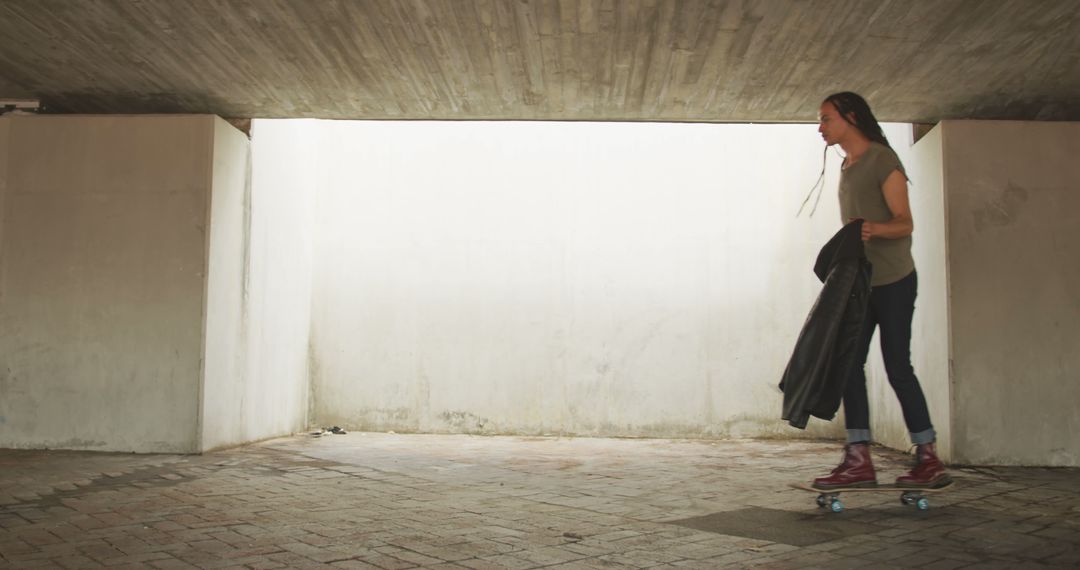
597 279
278 295
101 280
1014 269
258 292
930 327
225 382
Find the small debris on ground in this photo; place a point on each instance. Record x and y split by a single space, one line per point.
334 430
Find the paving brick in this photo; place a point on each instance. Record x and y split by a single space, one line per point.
171 564
354 565
375 501
385 561
508 561
407 556
101 551
312 552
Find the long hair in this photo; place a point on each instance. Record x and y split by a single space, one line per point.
856 111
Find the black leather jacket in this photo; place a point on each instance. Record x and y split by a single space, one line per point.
827 348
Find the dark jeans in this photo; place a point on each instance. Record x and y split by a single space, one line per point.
891 308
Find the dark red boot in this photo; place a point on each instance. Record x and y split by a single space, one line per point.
855 471
929 471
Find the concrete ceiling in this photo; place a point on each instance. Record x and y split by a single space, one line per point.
641 60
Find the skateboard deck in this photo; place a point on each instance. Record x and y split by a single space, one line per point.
913 496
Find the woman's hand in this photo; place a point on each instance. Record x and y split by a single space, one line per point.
868 230
867 227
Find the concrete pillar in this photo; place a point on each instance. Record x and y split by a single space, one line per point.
125 289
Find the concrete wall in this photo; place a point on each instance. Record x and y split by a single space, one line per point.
930 326
506 278
1014 270
225 380
5 130
277 293
150 301
281 270
101 282
597 279
258 293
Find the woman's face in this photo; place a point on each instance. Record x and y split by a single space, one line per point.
831 125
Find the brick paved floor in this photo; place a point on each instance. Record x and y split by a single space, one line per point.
404 501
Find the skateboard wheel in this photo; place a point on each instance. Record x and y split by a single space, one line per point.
836 506
923 504
822 501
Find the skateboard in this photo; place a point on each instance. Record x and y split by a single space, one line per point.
914 496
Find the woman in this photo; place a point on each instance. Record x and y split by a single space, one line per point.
873 188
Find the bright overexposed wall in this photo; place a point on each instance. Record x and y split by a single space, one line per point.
226 383
258 293
577 278
101 280
277 299
1014 259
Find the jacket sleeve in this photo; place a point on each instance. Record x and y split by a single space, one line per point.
815 377
808 369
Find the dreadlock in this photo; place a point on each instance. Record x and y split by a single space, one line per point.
856 111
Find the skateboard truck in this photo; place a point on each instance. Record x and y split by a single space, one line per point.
910 496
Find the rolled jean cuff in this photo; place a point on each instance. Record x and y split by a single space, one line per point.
857 435
925 436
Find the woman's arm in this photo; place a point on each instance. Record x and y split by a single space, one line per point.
896 197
